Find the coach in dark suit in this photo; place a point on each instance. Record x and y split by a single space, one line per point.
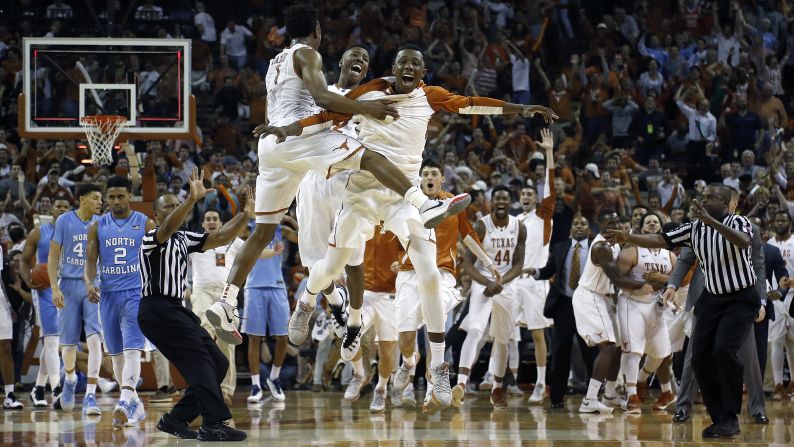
566 263
775 270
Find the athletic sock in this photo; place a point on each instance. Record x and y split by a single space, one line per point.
409 361
416 197
437 351
358 368
274 372
383 382
541 375
71 376
255 380
334 298
631 390
463 379
9 389
90 389
667 387
610 389
127 395
593 389
354 319
229 295
308 298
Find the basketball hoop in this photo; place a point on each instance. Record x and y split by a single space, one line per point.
101 132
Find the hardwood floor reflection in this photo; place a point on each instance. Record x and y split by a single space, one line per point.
325 419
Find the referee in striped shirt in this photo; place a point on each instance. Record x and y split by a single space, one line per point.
175 330
728 306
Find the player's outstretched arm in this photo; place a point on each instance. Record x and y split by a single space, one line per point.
439 98
310 68
91 258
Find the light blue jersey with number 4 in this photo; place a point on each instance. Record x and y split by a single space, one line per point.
119 247
71 233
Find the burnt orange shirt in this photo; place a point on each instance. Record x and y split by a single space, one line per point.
447 233
380 253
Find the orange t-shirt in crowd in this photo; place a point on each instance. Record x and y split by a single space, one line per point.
380 253
447 234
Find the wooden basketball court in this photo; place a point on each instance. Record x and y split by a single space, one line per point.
325 419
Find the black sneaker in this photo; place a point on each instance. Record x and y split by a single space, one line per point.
176 428
56 398
220 432
340 313
351 343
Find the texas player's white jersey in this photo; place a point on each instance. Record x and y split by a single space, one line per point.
649 260
593 277
350 127
402 141
288 99
499 244
536 249
786 250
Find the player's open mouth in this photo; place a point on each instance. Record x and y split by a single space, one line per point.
408 79
356 68
430 185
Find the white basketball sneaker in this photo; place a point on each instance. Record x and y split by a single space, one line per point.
435 211
222 316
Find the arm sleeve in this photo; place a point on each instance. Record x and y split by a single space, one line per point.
465 229
546 210
679 236
682 266
441 99
194 241
685 108
149 241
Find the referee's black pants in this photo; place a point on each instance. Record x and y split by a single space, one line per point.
177 333
723 324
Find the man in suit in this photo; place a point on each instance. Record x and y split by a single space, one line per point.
561 264
747 354
775 269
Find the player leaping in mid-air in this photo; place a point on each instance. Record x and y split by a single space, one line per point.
296 89
365 202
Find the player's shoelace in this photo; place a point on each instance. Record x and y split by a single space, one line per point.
441 379
235 314
351 337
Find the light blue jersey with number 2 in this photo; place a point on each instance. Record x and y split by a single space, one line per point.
119 247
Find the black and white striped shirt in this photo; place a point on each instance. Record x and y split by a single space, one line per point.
727 268
164 266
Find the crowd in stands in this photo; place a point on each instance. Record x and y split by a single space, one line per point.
655 99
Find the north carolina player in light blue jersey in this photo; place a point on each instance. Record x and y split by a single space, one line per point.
114 241
267 311
65 265
37 246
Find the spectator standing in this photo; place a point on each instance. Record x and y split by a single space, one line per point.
233 40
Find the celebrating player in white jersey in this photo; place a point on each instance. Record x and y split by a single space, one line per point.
532 292
594 311
366 202
319 198
408 302
781 329
503 238
296 88
643 330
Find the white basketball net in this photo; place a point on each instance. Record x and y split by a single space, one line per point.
101 132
